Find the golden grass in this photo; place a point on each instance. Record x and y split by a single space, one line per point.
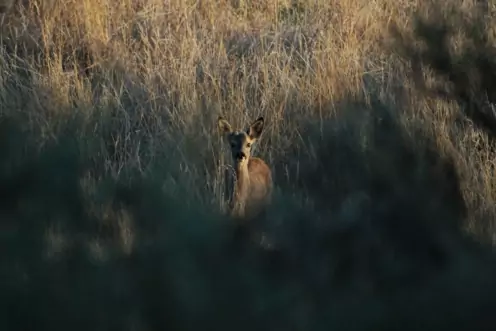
146 79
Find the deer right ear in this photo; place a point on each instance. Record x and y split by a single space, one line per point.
224 126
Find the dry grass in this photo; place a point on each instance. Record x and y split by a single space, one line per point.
164 70
113 106
161 72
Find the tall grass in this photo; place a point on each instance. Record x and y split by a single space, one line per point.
379 133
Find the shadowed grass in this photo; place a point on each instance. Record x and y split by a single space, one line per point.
125 255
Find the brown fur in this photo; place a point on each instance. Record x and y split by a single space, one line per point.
252 188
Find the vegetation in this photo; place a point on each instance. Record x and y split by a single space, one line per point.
379 132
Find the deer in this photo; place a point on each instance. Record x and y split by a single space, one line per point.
252 188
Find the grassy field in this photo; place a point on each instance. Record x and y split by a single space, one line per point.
379 132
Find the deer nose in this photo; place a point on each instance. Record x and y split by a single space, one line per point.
240 155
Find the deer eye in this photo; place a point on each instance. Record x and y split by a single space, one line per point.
248 145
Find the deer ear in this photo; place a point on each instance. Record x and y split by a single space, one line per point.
256 128
224 126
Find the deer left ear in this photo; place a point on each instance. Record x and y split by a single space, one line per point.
256 128
224 126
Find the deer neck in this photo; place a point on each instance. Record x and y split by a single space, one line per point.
241 188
